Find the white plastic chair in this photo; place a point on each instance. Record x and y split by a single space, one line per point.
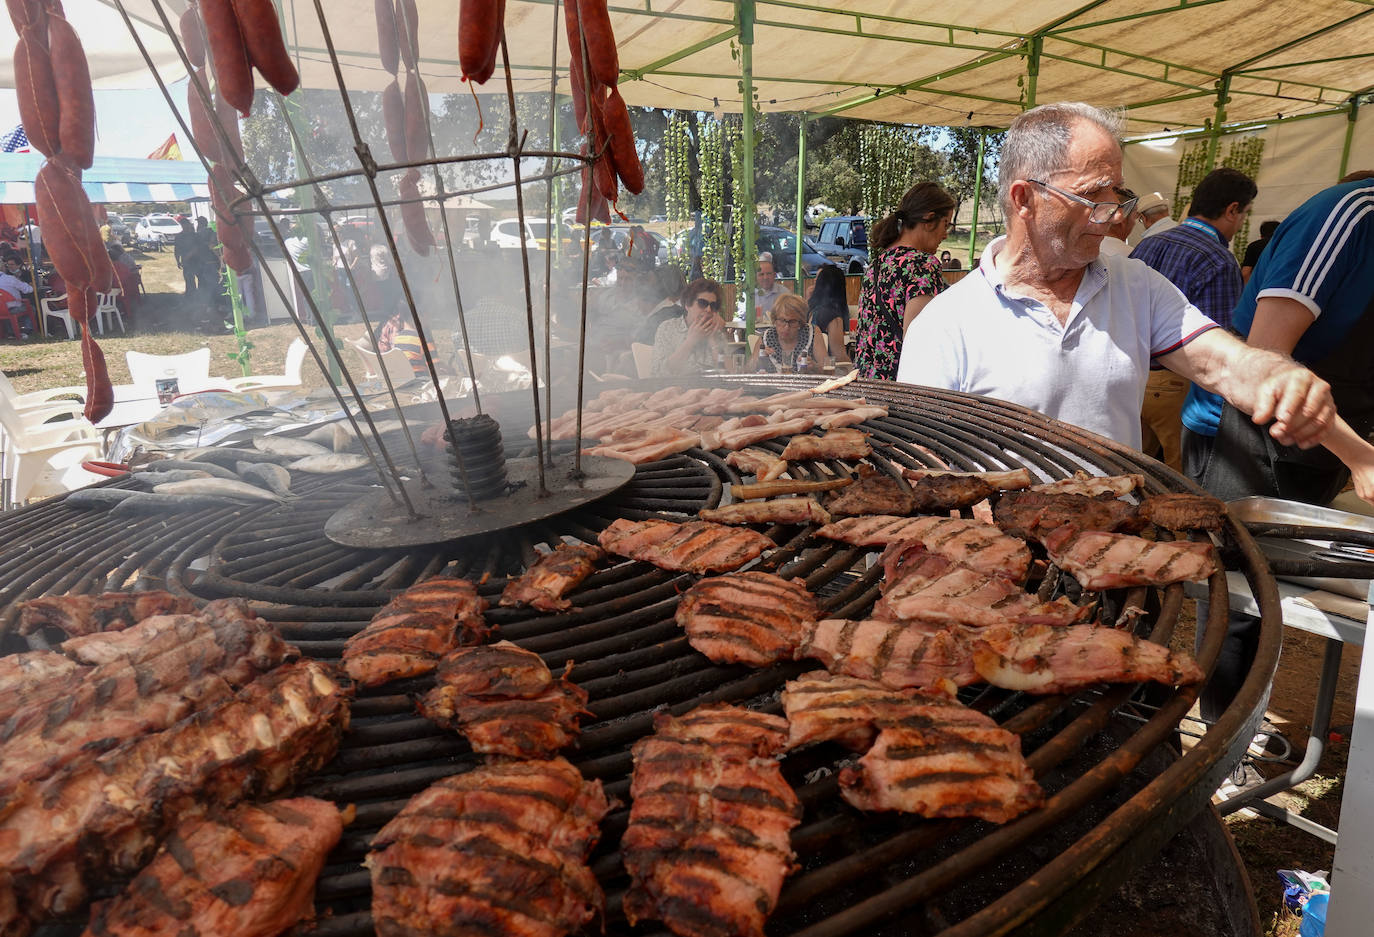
50 311
43 459
57 399
192 370
107 310
394 360
644 357
290 376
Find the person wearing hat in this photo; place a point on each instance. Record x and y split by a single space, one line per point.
1153 214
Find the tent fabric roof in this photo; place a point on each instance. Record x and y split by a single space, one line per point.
896 60
110 179
114 59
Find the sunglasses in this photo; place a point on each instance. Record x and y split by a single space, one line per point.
711 304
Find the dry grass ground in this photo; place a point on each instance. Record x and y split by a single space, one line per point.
166 323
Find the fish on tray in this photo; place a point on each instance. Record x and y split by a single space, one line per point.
545 584
1111 561
694 546
410 635
330 463
778 511
843 443
749 618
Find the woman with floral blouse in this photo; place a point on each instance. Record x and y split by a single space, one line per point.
902 277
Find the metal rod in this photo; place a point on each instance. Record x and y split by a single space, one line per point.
977 199
1219 118
1036 44
555 236
801 202
747 12
1349 135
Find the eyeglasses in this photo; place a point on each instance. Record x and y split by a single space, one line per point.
1098 212
711 304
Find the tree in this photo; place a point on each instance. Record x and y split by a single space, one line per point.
961 165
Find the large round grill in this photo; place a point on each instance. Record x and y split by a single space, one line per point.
859 874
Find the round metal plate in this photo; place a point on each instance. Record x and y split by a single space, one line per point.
378 521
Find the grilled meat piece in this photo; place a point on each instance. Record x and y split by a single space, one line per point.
31 677
501 849
97 819
553 576
896 654
826 707
1183 512
194 661
852 417
944 493
88 614
640 446
843 443
412 632
694 546
249 872
1040 659
747 433
944 771
1110 561
1032 514
760 463
873 494
1001 481
1094 485
505 701
928 587
152 636
780 511
707 846
747 618
977 545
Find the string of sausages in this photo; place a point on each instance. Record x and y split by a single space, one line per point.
57 108
601 114
405 117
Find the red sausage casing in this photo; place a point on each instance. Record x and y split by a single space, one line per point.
596 25
202 124
28 14
228 54
408 32
479 37
37 94
192 39
417 124
386 35
413 214
394 115
75 99
262 38
69 230
229 120
99 391
616 120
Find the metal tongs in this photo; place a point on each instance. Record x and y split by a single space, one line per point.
1349 555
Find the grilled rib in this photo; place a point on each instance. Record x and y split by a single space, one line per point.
553 576
826 707
501 850
707 846
841 443
505 701
249 872
412 633
694 546
89 614
1041 659
779 511
748 618
1110 561
1031 514
31 677
977 545
900 655
945 771
102 818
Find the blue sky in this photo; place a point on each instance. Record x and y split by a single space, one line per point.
128 123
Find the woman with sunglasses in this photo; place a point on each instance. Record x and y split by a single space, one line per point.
903 276
791 343
694 341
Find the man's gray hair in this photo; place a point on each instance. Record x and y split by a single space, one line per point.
765 257
1037 143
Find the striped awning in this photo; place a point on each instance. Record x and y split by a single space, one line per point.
110 179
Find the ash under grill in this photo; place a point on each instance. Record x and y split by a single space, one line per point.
860 874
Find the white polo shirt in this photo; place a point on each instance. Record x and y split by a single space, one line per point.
979 337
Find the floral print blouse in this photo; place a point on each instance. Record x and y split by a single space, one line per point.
897 276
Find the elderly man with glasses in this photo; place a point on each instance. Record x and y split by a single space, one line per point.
1049 322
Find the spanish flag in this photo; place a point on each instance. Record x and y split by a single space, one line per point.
168 150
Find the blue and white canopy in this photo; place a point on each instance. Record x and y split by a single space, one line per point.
110 179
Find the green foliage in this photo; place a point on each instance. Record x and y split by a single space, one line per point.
1245 154
961 167
1192 166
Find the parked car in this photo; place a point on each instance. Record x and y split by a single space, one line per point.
120 233
506 233
620 233
156 230
782 244
845 231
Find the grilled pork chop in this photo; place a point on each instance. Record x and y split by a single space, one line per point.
1094 485
33 676
1110 561
707 846
944 771
1032 514
88 614
1001 481
412 632
928 587
826 707
843 443
97 819
694 546
944 493
873 494
896 654
249 872
501 849
1183 512
553 576
977 545
505 701
760 463
1040 659
779 511
748 618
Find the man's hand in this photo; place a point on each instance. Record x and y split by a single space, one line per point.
1300 405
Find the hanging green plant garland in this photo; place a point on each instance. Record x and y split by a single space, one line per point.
712 184
677 144
1245 154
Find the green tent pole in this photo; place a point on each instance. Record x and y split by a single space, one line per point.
801 200
1349 135
746 38
1219 118
1033 69
977 198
